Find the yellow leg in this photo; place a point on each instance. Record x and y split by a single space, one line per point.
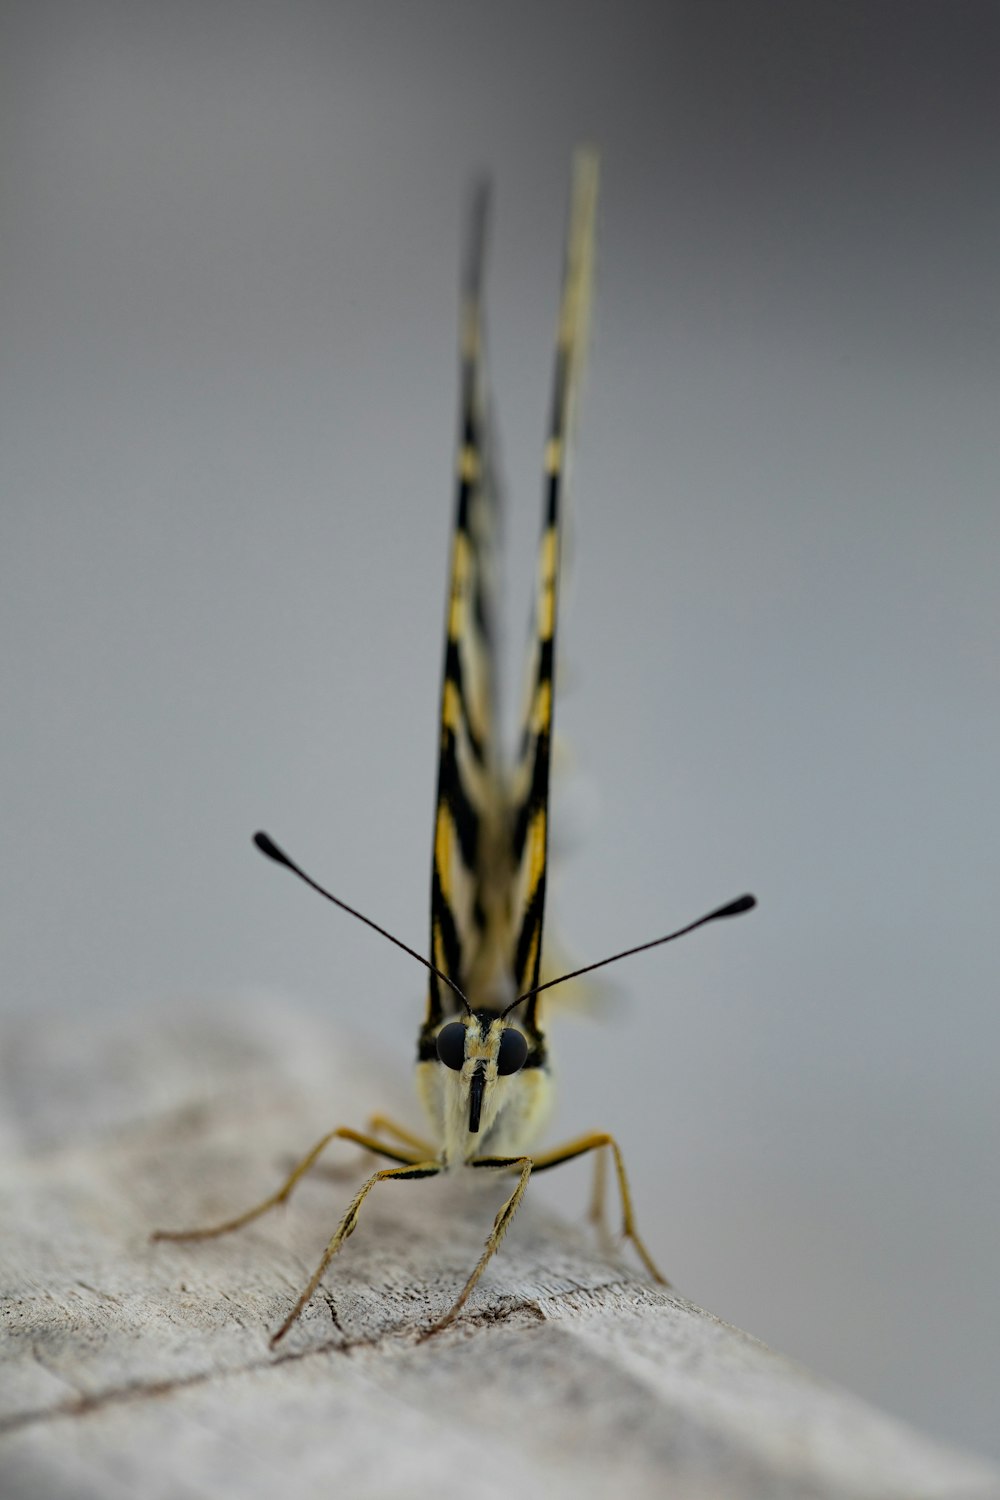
522 1165
343 1133
593 1142
347 1226
382 1125
596 1213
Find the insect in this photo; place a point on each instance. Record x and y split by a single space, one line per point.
482 1054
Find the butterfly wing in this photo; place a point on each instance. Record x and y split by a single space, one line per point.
529 788
466 899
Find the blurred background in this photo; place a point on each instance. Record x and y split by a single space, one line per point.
230 246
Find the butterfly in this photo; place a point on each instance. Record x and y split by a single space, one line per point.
483 1073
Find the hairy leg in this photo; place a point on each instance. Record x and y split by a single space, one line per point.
593 1142
343 1133
347 1226
382 1125
522 1165
597 1210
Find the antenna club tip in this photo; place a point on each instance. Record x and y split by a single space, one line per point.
731 909
267 846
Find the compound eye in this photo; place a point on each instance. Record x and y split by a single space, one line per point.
513 1051
451 1045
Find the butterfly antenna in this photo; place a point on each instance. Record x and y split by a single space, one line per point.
731 909
267 846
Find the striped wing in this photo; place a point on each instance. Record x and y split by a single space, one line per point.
529 788
466 886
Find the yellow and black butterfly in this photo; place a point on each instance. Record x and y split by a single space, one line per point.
482 1054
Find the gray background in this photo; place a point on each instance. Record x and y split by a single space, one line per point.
230 240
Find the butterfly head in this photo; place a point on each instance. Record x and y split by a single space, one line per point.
479 1050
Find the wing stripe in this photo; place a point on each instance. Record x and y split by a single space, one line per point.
466 753
459 808
530 787
447 952
456 711
525 958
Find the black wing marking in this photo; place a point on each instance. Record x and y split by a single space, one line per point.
529 791
466 905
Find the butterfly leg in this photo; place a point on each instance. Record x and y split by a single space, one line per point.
594 1142
597 1210
378 1125
382 1125
522 1165
349 1222
343 1133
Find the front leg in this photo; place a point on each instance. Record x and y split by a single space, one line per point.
349 1222
521 1165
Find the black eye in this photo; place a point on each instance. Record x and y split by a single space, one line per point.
451 1044
513 1051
